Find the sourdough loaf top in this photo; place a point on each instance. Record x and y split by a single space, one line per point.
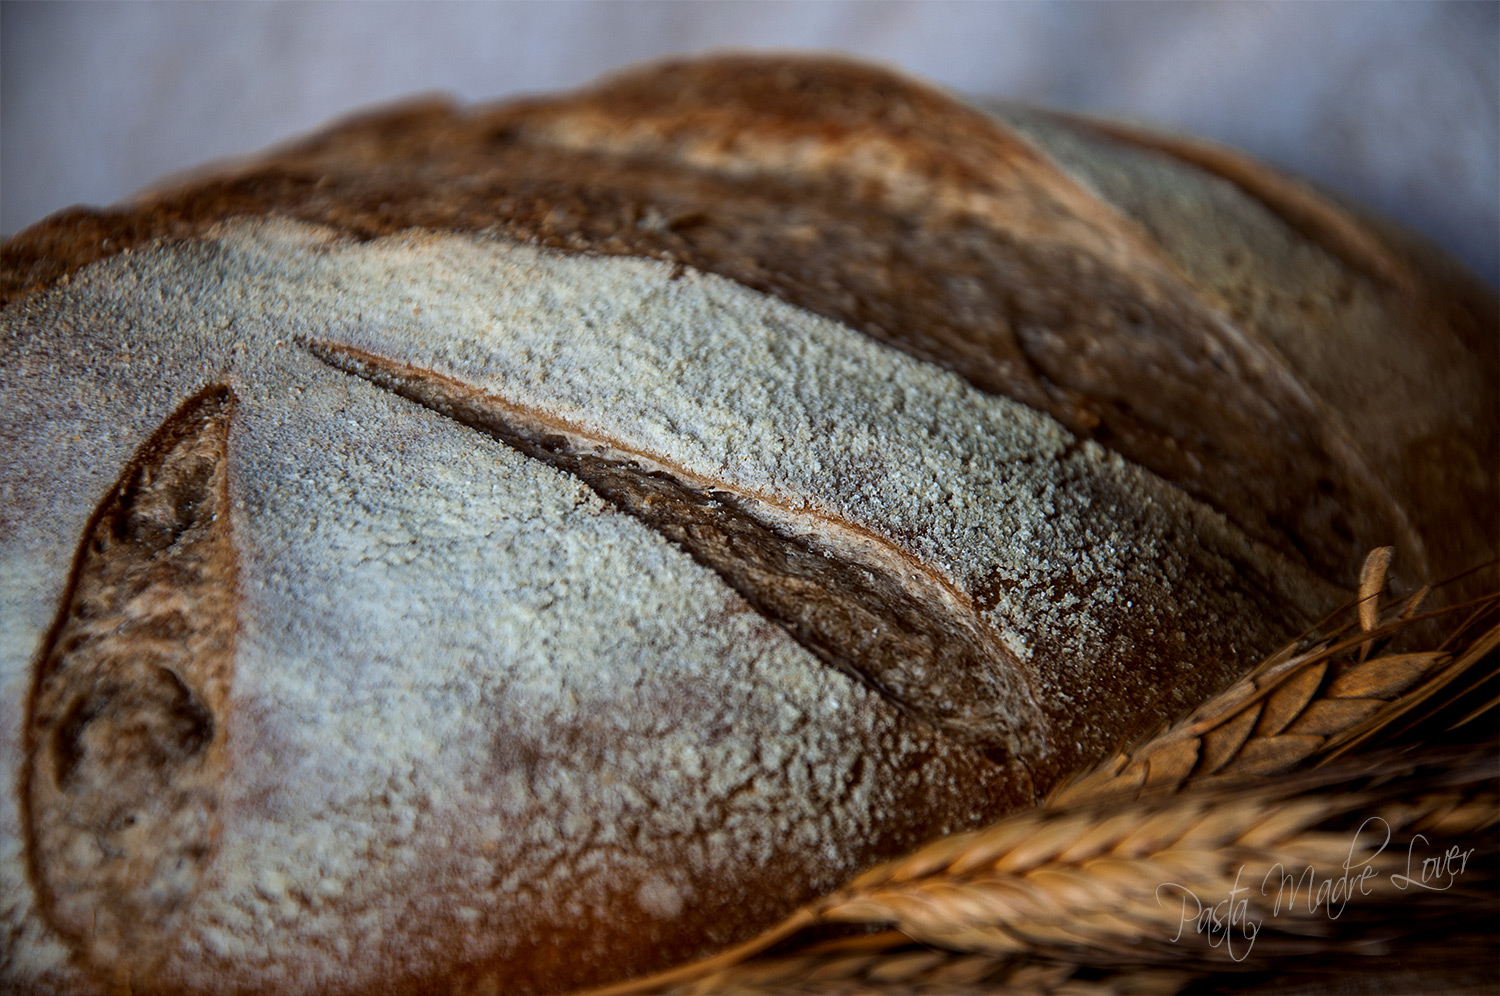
531 545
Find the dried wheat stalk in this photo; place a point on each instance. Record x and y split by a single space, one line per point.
891 963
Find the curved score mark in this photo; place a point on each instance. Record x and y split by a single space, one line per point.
854 600
125 732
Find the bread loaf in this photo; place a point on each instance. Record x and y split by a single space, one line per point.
522 547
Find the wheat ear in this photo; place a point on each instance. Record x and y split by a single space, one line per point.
1302 705
1117 877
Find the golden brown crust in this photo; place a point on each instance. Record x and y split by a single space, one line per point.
894 210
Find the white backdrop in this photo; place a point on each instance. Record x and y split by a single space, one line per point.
1396 104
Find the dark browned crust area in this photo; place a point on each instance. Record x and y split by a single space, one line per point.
609 939
859 195
125 728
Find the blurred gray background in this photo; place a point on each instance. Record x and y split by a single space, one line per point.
1396 104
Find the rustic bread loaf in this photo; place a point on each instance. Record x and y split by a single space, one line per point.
522 547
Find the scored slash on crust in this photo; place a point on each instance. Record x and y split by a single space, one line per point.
854 602
125 720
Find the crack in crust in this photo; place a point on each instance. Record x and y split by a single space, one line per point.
125 730
851 598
